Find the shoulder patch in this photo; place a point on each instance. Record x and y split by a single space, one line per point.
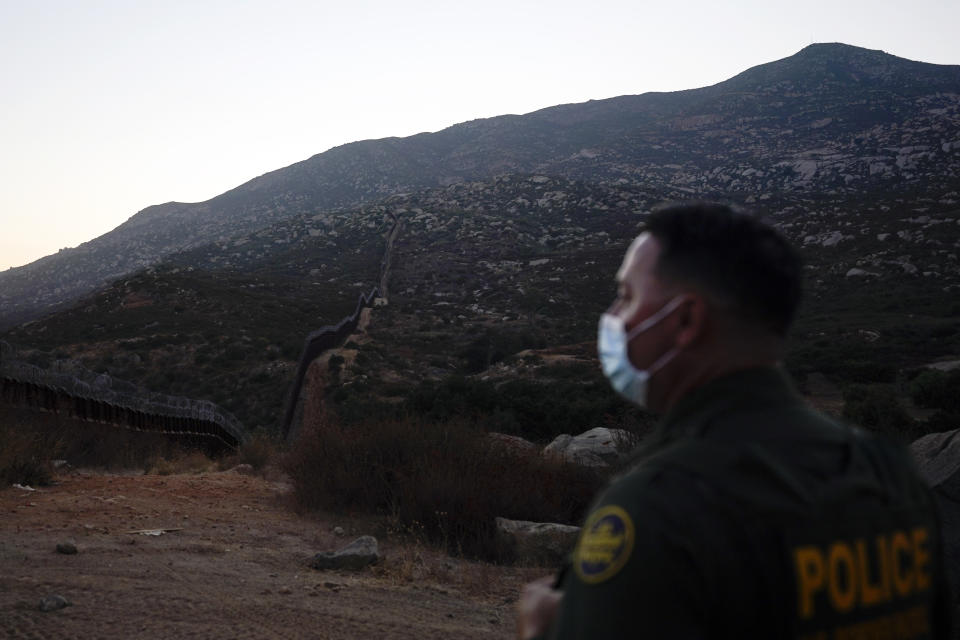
605 544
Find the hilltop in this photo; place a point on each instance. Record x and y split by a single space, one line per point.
510 231
832 119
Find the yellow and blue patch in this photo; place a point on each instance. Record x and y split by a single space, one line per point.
605 545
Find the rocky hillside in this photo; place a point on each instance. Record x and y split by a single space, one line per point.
831 120
499 282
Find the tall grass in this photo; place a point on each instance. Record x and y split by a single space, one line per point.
446 480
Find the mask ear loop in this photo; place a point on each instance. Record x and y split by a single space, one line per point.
655 318
662 361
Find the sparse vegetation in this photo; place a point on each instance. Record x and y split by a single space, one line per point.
441 478
258 451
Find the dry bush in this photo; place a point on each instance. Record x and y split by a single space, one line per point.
22 455
30 440
258 451
444 479
182 462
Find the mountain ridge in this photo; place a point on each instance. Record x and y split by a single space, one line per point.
797 128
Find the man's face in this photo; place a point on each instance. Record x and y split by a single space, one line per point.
640 294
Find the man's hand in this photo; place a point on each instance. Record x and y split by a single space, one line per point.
537 608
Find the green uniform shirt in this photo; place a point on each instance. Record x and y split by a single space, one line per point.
750 515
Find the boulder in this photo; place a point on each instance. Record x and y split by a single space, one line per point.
53 603
599 447
513 445
358 554
536 543
938 456
860 273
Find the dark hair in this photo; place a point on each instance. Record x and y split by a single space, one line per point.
733 255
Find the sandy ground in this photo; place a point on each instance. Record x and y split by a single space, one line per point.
236 568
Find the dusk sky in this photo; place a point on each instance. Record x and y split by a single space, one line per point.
110 107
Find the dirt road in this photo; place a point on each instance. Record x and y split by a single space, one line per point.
236 568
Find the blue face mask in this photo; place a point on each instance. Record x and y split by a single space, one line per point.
612 342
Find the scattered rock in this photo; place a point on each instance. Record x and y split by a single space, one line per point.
358 554
338 531
67 548
860 273
536 542
945 365
834 239
243 469
599 447
53 603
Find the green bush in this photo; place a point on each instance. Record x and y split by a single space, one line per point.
533 409
335 363
876 407
937 390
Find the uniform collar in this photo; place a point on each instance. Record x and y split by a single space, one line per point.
757 388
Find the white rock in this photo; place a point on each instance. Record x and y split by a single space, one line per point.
358 554
537 542
597 447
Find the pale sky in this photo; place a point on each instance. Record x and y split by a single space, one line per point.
109 107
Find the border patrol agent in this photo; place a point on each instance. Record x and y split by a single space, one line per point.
747 514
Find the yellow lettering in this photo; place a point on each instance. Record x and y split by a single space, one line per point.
921 558
870 594
884 568
843 593
902 580
810 575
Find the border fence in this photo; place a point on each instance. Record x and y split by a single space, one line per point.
331 336
71 389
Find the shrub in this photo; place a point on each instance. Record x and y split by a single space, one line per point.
876 407
937 390
442 478
22 459
258 451
335 363
534 409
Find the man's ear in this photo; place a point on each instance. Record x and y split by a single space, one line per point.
691 320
